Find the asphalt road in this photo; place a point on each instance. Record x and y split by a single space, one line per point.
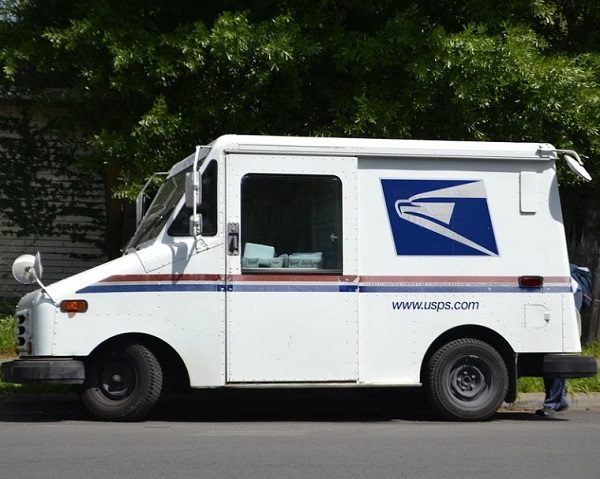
289 435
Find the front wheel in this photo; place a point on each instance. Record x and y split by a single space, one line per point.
467 380
122 383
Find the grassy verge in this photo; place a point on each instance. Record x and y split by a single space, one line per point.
581 385
526 385
7 335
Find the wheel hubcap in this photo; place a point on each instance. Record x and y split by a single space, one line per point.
117 379
468 379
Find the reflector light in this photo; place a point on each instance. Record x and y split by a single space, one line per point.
73 306
531 281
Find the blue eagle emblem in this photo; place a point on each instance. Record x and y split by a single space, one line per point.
440 217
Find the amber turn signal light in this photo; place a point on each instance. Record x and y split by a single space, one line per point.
73 306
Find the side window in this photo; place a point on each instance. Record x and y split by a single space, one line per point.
291 222
208 208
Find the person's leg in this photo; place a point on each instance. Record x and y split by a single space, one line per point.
556 394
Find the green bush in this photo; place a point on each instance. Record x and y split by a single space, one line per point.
7 335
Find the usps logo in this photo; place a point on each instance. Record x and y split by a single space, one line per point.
440 217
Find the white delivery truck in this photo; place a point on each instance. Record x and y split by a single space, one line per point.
288 262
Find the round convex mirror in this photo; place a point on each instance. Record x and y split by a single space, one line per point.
24 269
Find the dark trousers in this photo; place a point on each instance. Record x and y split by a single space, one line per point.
556 393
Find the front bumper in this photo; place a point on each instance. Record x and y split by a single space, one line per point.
44 371
569 366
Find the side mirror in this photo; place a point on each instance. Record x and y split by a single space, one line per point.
193 197
577 167
193 189
27 269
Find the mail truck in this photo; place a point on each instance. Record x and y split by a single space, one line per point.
291 262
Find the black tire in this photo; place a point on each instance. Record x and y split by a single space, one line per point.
123 383
467 380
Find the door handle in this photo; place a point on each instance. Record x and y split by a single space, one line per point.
233 239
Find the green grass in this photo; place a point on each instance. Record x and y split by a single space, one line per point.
7 335
592 348
581 385
7 348
531 385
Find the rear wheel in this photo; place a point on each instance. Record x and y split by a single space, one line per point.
123 383
467 380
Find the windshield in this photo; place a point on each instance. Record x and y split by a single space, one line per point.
160 210
165 201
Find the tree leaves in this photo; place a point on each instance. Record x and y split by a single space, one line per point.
151 79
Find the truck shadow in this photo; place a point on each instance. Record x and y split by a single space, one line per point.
253 405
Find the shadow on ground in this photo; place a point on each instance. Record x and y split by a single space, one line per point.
251 405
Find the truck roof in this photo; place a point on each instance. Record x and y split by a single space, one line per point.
365 147
374 148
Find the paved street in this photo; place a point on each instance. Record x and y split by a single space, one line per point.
290 434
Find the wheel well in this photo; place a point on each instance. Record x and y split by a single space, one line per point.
175 374
483 334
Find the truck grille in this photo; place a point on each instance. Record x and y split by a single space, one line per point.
23 331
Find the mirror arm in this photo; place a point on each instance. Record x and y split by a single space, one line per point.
574 163
573 153
31 269
571 157
195 231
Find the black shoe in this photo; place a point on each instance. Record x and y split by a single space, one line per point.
546 412
549 412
